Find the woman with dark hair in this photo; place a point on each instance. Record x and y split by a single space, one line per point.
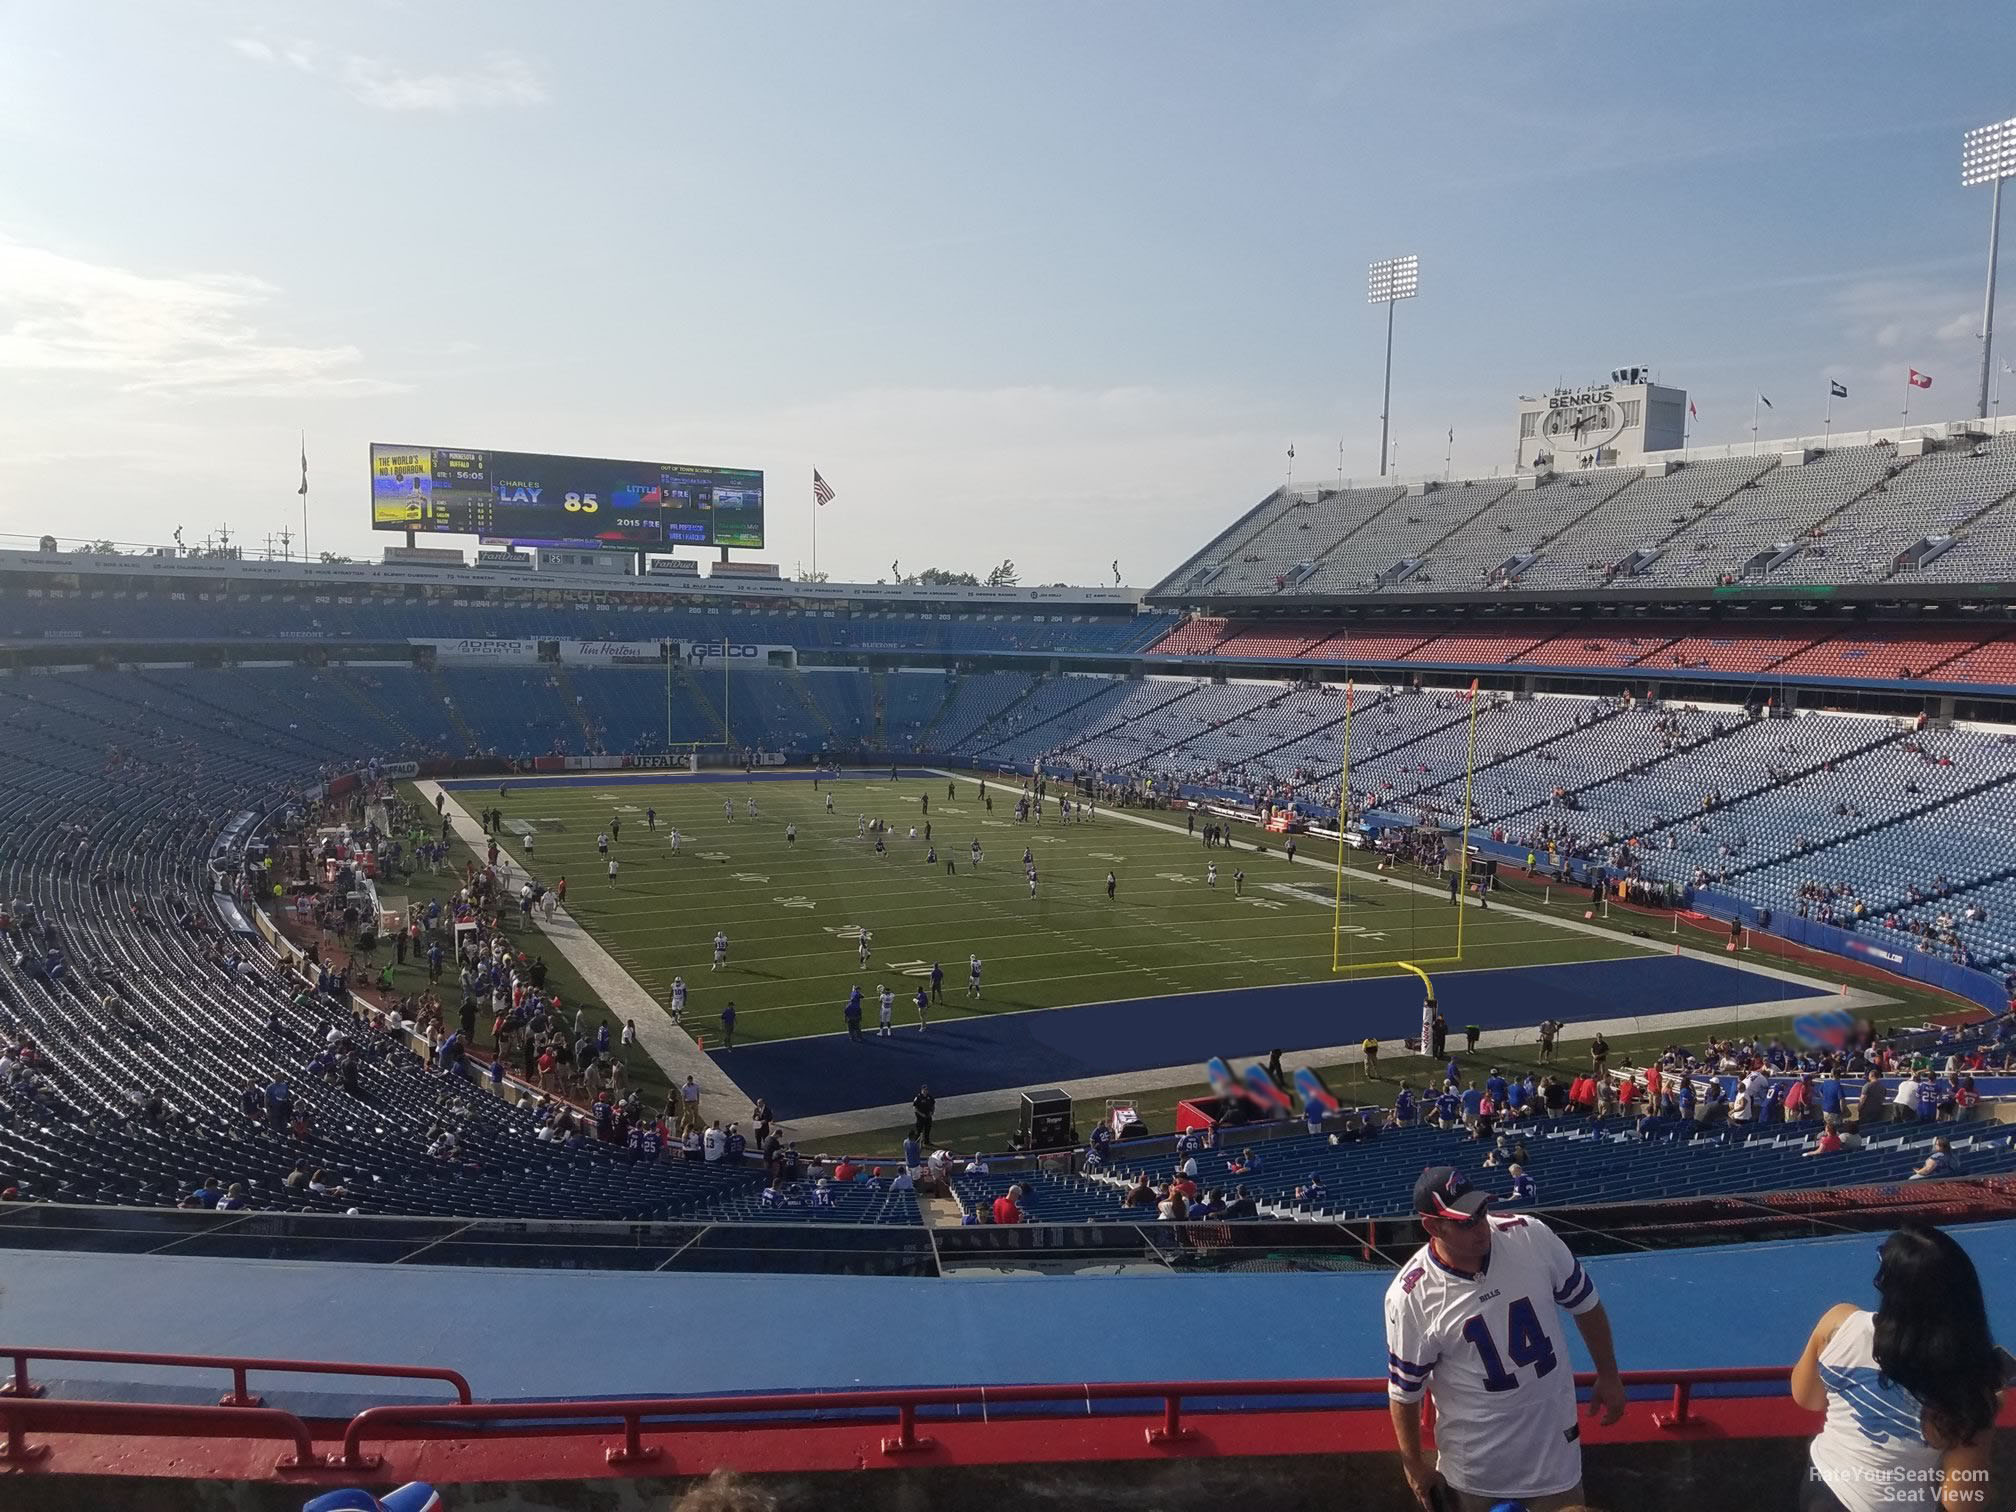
1910 1390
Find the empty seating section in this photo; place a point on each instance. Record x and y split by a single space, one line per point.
1194 637
1980 554
1490 648
911 700
1403 531
1523 523
1776 508
1303 528
1357 647
844 699
1875 655
1994 662
1602 649
1651 510
1727 653
1898 655
30 612
1055 708
1292 640
1163 720
1934 495
1571 1162
1212 562
974 701
1852 514
104 835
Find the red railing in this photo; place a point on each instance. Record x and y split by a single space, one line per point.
786 1410
802 1429
149 1420
18 1386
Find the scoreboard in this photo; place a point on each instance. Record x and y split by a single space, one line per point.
537 499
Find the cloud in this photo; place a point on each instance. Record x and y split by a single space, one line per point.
155 333
496 80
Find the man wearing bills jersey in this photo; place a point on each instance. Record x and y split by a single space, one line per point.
1476 1315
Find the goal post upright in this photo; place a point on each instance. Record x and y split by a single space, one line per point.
1343 818
1469 787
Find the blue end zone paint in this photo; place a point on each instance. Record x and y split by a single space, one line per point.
803 1078
744 1333
670 774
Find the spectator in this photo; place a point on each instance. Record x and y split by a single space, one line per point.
1829 1140
1910 1391
1008 1206
1523 1190
1939 1163
1905 1108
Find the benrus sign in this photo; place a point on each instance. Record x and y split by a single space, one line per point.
1577 398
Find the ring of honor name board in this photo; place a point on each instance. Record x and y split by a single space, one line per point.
534 499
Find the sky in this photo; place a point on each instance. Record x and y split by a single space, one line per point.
1056 283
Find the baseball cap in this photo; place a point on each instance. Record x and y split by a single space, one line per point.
1443 1193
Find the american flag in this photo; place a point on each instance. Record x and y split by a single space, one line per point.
822 491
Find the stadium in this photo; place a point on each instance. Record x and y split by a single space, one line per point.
568 1014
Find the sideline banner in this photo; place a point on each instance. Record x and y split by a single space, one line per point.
481 650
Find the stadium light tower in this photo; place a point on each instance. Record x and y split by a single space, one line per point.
1988 156
1387 283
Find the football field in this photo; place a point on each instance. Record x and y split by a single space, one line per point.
1079 990
794 909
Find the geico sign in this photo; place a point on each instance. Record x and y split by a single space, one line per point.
701 650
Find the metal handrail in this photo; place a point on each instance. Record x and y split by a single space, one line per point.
414 1422
147 1420
20 1387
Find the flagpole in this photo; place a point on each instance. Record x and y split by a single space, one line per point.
815 534
304 497
1756 415
1827 422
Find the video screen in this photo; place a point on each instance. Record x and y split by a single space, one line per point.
535 499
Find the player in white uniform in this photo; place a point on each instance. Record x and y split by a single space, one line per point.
790 834
973 976
675 842
752 808
678 998
720 949
861 948
1475 1314
728 809
887 1001
1211 874
829 803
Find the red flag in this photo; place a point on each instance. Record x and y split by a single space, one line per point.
1350 692
1693 411
1473 690
1919 380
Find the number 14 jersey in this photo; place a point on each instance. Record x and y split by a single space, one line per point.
1493 1348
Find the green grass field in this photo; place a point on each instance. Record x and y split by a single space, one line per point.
792 910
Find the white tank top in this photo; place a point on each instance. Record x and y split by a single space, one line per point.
1871 1451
